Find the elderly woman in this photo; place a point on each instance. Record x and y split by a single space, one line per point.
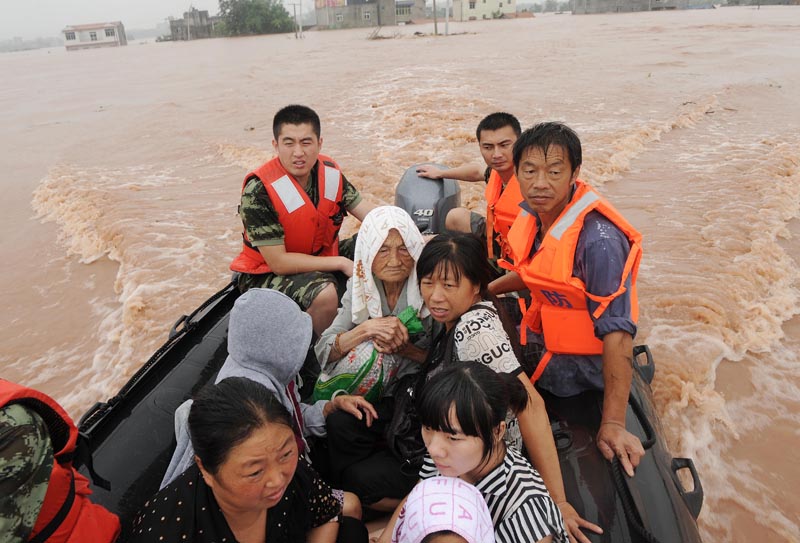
249 483
383 285
388 246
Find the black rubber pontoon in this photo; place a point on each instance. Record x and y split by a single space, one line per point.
651 507
131 436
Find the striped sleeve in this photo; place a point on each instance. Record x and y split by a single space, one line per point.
522 508
428 468
534 520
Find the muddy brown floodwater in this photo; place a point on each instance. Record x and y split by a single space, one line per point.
122 171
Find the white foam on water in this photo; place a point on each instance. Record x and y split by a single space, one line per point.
135 217
718 290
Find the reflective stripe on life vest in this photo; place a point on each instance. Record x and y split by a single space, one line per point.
575 211
559 307
308 229
288 194
332 183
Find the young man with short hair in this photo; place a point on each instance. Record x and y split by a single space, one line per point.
496 135
292 208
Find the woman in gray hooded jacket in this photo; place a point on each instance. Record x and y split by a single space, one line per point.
268 339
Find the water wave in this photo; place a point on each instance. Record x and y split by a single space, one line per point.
168 248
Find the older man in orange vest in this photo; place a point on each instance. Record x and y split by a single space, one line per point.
579 258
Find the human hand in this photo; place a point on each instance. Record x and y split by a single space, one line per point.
431 172
356 406
613 439
388 334
574 522
384 537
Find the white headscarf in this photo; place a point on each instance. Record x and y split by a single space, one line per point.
371 236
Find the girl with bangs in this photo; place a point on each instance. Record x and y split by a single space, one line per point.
463 412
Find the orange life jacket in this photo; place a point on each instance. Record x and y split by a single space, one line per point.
307 229
67 515
502 207
558 299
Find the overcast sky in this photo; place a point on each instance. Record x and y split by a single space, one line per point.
46 18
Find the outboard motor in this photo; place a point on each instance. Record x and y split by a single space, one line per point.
427 200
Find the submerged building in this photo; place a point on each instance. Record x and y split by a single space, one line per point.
92 36
471 10
195 25
620 6
364 13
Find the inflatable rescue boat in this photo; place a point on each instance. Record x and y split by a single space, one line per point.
131 435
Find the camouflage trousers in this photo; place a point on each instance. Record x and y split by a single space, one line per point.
303 288
26 460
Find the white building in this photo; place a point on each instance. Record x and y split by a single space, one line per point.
470 10
95 35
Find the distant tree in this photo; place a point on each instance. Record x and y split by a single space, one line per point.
247 17
221 29
551 5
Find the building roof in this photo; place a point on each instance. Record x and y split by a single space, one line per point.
92 26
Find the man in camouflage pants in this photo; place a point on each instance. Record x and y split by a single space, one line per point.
297 255
26 460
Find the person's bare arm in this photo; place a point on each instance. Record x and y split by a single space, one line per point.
386 535
357 406
538 438
388 334
412 352
510 282
361 209
613 439
465 172
282 262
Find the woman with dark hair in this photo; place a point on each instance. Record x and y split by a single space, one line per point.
463 412
454 275
248 483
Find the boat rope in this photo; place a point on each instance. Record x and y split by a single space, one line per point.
628 506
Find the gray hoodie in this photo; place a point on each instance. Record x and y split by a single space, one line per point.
268 339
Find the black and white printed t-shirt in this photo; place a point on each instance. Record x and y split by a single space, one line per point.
521 508
479 335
